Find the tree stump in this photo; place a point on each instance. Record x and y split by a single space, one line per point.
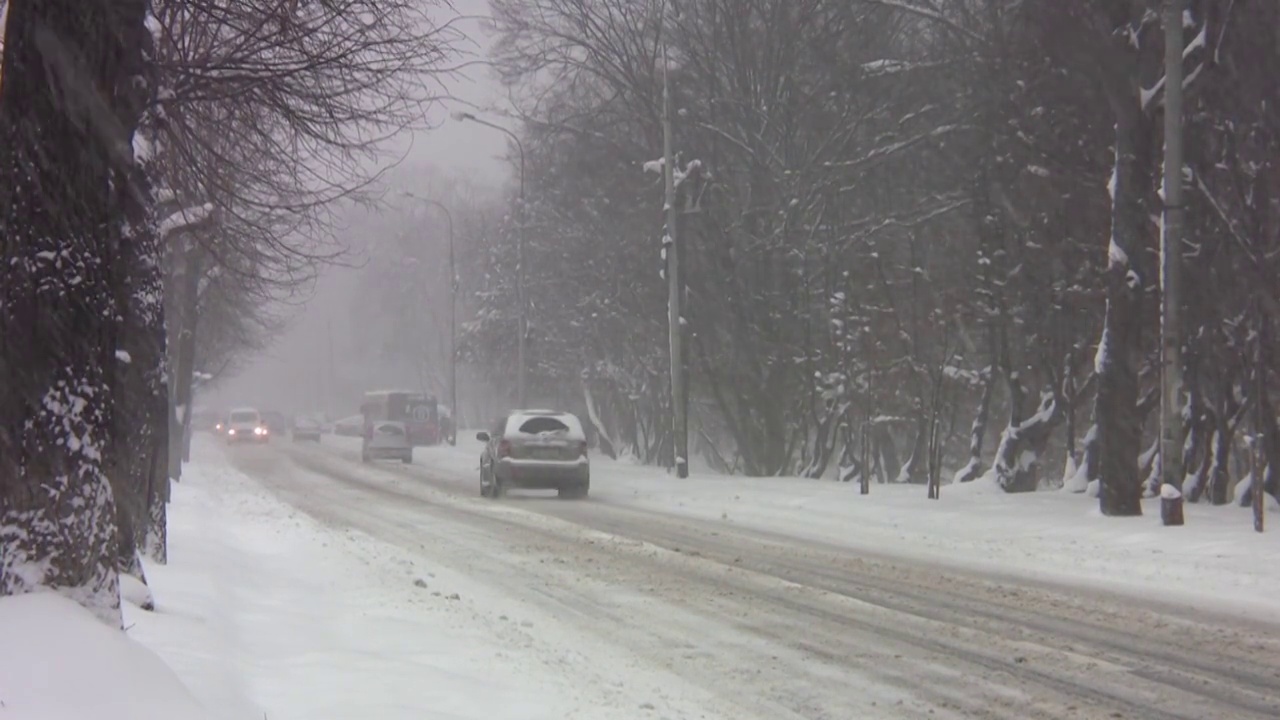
1171 506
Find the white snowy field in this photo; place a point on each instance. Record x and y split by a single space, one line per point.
264 612
1215 560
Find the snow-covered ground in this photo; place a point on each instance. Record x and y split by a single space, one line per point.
60 662
264 612
1216 559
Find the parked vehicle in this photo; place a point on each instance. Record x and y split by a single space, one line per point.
306 428
386 439
245 425
420 414
535 450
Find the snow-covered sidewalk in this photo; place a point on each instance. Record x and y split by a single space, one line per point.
263 612
1215 560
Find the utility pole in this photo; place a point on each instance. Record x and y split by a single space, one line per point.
1171 253
332 375
520 223
453 312
523 329
453 339
675 320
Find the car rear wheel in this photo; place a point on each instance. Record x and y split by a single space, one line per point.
407 459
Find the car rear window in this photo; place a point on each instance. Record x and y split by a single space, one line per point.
537 425
242 417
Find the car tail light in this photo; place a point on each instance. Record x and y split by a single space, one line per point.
504 448
582 448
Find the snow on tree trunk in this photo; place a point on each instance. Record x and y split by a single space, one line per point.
825 439
1149 468
1017 464
977 432
850 465
58 316
1077 480
156 541
602 435
1120 349
139 427
916 469
1197 454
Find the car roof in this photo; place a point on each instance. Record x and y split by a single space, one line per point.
244 410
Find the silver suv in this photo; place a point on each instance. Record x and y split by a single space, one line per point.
386 439
535 450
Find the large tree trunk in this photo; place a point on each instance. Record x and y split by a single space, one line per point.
63 62
1120 349
139 429
178 409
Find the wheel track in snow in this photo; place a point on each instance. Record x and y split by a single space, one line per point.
672 642
1229 679
1149 678
1216 651
1198 667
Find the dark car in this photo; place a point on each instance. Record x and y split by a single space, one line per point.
535 450
306 428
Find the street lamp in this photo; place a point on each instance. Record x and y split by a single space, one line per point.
453 316
523 321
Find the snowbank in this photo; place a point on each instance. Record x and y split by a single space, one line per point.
61 663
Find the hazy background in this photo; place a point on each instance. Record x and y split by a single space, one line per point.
321 339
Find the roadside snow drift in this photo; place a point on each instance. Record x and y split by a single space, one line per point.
59 662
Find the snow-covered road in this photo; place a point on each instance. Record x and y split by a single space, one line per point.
658 613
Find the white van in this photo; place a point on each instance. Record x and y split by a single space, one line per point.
245 425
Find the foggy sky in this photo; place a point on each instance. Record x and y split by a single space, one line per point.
290 374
